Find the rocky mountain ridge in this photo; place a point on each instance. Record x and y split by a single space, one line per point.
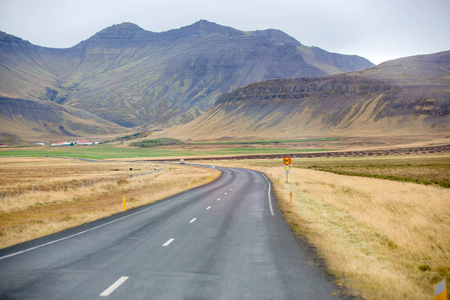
405 96
133 77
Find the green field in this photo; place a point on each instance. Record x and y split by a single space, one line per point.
423 170
109 151
94 152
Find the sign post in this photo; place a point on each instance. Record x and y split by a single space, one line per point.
440 291
287 161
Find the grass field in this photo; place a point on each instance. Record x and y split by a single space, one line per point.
380 232
107 151
417 169
40 213
111 151
382 238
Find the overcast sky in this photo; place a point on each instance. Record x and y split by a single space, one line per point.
378 30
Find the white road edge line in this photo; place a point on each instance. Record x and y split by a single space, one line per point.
79 233
168 243
268 193
193 220
114 286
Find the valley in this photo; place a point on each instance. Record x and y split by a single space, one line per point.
132 77
370 145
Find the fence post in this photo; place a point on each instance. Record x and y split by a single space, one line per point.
25 191
18 193
3 194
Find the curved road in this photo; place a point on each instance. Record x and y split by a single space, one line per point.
225 240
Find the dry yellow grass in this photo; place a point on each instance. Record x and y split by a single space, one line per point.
385 239
41 213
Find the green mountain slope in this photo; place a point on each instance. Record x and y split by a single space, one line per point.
134 77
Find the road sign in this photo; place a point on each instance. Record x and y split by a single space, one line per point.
287 160
440 291
287 168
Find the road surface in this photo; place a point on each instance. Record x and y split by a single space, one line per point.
225 240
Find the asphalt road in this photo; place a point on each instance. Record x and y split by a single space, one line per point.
225 240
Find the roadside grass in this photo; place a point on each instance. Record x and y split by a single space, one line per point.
37 214
43 172
432 170
383 239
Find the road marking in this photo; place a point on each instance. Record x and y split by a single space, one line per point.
193 220
268 193
208 207
218 199
225 193
114 286
168 243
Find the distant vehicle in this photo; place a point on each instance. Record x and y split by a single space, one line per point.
181 161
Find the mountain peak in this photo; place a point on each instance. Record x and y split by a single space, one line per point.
124 34
121 29
204 28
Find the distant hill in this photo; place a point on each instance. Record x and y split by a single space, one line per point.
133 77
404 96
41 121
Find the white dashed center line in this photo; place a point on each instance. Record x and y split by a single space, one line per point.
218 199
208 207
193 220
168 243
114 286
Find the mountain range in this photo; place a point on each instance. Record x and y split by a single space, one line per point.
213 82
128 77
407 96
